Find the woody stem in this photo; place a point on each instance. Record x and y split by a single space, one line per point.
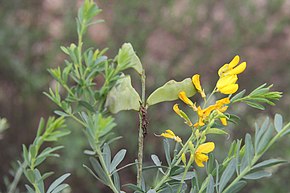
141 136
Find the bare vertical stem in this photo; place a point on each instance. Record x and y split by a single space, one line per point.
141 136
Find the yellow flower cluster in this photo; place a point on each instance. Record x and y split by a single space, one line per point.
227 84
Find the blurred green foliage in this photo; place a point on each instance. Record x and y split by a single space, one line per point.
175 40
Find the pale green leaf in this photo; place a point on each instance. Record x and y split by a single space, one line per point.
257 175
57 182
128 57
117 159
227 174
210 186
123 96
216 131
170 90
236 187
278 122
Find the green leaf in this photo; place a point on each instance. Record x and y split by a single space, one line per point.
93 174
60 113
227 174
249 154
204 184
170 90
238 96
40 127
210 186
30 190
123 96
117 181
260 131
172 188
257 175
99 170
155 160
128 58
237 187
87 106
268 163
60 188
278 122
57 182
133 187
117 159
216 131
107 155
166 146
265 139
188 176
151 191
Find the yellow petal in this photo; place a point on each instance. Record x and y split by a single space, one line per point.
224 121
226 80
208 110
223 109
170 132
200 158
230 89
184 98
205 148
234 62
196 82
176 109
239 69
223 69
167 135
223 101
198 163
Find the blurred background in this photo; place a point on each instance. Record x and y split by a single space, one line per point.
174 39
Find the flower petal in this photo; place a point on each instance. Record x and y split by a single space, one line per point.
226 80
199 158
176 109
206 147
239 69
167 135
196 82
182 96
224 121
234 62
170 132
223 69
230 89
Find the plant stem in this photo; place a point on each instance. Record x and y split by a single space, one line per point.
184 173
16 179
103 163
176 160
141 136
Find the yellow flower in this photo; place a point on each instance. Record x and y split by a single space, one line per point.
170 135
177 110
196 83
182 96
232 68
182 115
200 153
203 114
227 84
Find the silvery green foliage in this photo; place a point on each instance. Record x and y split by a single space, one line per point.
33 156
